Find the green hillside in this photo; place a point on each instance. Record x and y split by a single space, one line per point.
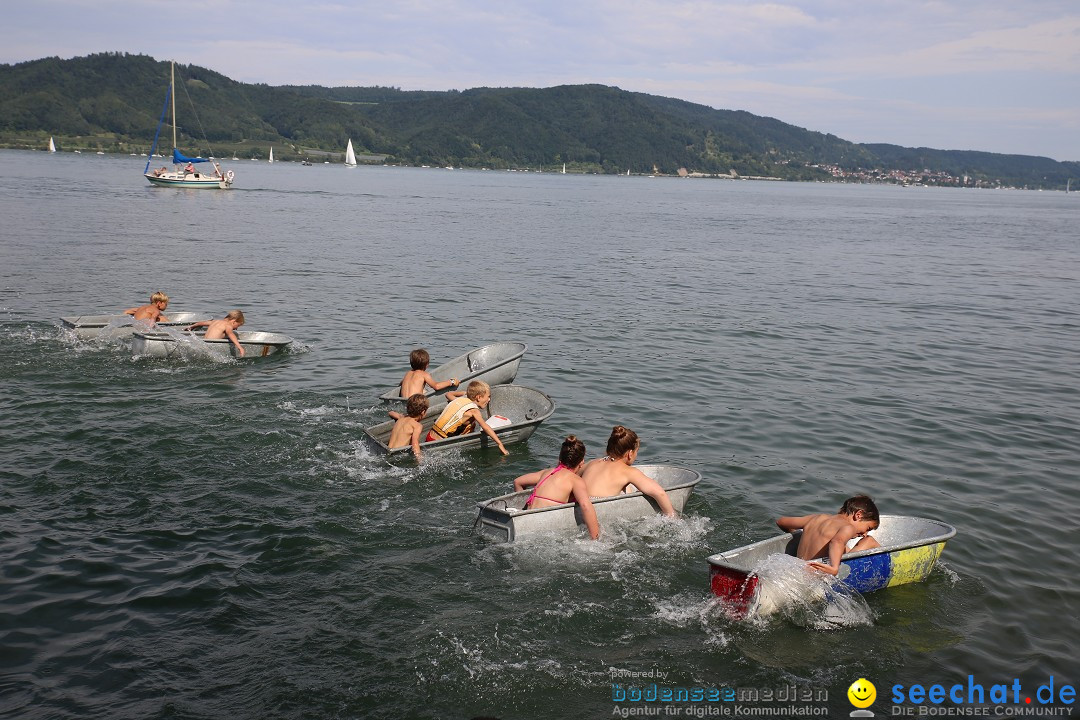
112 102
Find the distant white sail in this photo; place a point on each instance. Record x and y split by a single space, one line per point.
350 156
564 168
271 154
52 145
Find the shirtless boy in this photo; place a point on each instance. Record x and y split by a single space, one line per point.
829 534
151 313
415 380
217 329
408 427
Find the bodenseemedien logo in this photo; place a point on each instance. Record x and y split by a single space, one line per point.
862 694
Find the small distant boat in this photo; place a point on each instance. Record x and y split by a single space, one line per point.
564 168
522 408
306 162
183 174
52 145
505 518
271 154
187 344
89 327
495 364
350 156
910 547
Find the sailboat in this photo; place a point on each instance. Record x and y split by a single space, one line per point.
52 145
564 168
350 156
271 154
184 174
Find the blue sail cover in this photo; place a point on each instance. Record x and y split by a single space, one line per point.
181 159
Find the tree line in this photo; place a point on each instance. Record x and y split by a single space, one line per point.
114 100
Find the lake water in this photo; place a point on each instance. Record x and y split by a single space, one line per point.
198 539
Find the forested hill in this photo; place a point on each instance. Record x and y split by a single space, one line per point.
112 102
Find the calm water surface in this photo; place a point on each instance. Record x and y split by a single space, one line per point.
201 540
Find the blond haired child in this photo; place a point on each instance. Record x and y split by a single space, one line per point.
462 414
152 312
226 327
416 379
408 427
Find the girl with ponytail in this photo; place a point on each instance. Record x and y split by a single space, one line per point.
561 483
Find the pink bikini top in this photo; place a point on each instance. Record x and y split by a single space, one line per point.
528 502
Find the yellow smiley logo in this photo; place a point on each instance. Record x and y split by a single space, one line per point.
862 693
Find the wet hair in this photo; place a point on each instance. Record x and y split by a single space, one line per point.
572 453
863 503
159 297
476 389
622 441
237 315
419 359
416 406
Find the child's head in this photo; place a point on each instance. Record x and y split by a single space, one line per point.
862 510
622 441
572 453
159 298
419 359
479 392
236 316
416 406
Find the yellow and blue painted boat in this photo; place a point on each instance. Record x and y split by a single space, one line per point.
910 546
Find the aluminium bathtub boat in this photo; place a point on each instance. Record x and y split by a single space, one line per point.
505 518
524 408
910 546
91 327
495 364
189 344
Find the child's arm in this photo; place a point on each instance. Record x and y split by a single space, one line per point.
837 548
454 395
528 480
201 323
131 311
580 493
439 385
416 440
235 341
654 490
791 523
487 429
395 415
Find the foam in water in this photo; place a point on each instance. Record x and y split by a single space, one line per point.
788 588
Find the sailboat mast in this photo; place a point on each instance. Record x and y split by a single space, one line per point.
172 98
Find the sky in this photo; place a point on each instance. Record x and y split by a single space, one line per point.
995 75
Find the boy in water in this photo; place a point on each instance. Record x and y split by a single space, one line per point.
217 329
151 313
415 380
829 534
408 427
462 414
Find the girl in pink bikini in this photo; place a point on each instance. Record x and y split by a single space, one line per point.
556 486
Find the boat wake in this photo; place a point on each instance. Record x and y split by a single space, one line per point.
788 589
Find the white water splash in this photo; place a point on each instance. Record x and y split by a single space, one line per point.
788 588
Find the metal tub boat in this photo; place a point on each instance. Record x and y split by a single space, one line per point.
495 364
188 344
505 518
909 548
90 327
524 407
